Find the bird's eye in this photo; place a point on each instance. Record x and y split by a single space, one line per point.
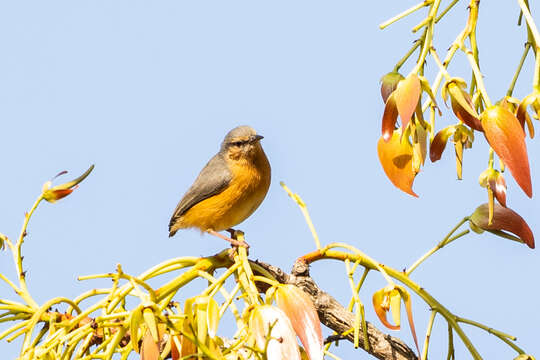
238 143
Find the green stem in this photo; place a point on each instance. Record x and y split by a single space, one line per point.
428 334
360 320
474 48
407 55
477 75
429 36
17 257
530 22
405 13
244 273
448 8
451 355
492 331
447 240
458 43
513 346
305 212
536 79
442 68
518 70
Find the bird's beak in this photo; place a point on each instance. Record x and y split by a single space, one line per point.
256 138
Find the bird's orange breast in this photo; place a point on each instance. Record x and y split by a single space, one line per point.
245 192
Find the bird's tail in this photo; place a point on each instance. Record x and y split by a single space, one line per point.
173 226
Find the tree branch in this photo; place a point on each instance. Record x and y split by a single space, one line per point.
335 316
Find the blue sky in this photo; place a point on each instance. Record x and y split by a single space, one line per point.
147 90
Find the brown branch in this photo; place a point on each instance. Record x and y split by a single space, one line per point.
336 317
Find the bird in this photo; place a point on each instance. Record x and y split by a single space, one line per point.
228 189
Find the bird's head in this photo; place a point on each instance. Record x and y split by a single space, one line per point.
242 142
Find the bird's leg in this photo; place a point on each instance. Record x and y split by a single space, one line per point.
233 241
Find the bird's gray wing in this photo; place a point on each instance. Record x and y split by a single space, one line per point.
212 180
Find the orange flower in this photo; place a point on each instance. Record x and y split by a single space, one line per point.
461 102
522 115
60 191
507 138
402 97
462 139
389 298
504 219
403 102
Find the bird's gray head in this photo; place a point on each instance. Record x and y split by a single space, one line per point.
241 141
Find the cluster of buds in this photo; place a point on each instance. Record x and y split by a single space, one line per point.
186 337
273 329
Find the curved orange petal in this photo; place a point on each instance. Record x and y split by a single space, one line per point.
389 83
407 95
378 299
408 307
506 136
504 219
523 116
497 184
439 143
396 159
149 348
300 310
389 118
463 107
270 321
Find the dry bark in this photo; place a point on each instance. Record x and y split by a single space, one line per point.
336 317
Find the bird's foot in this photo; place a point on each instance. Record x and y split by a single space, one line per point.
233 239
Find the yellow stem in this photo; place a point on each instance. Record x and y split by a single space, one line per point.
305 212
518 70
429 36
428 335
447 239
477 75
530 22
17 258
405 13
